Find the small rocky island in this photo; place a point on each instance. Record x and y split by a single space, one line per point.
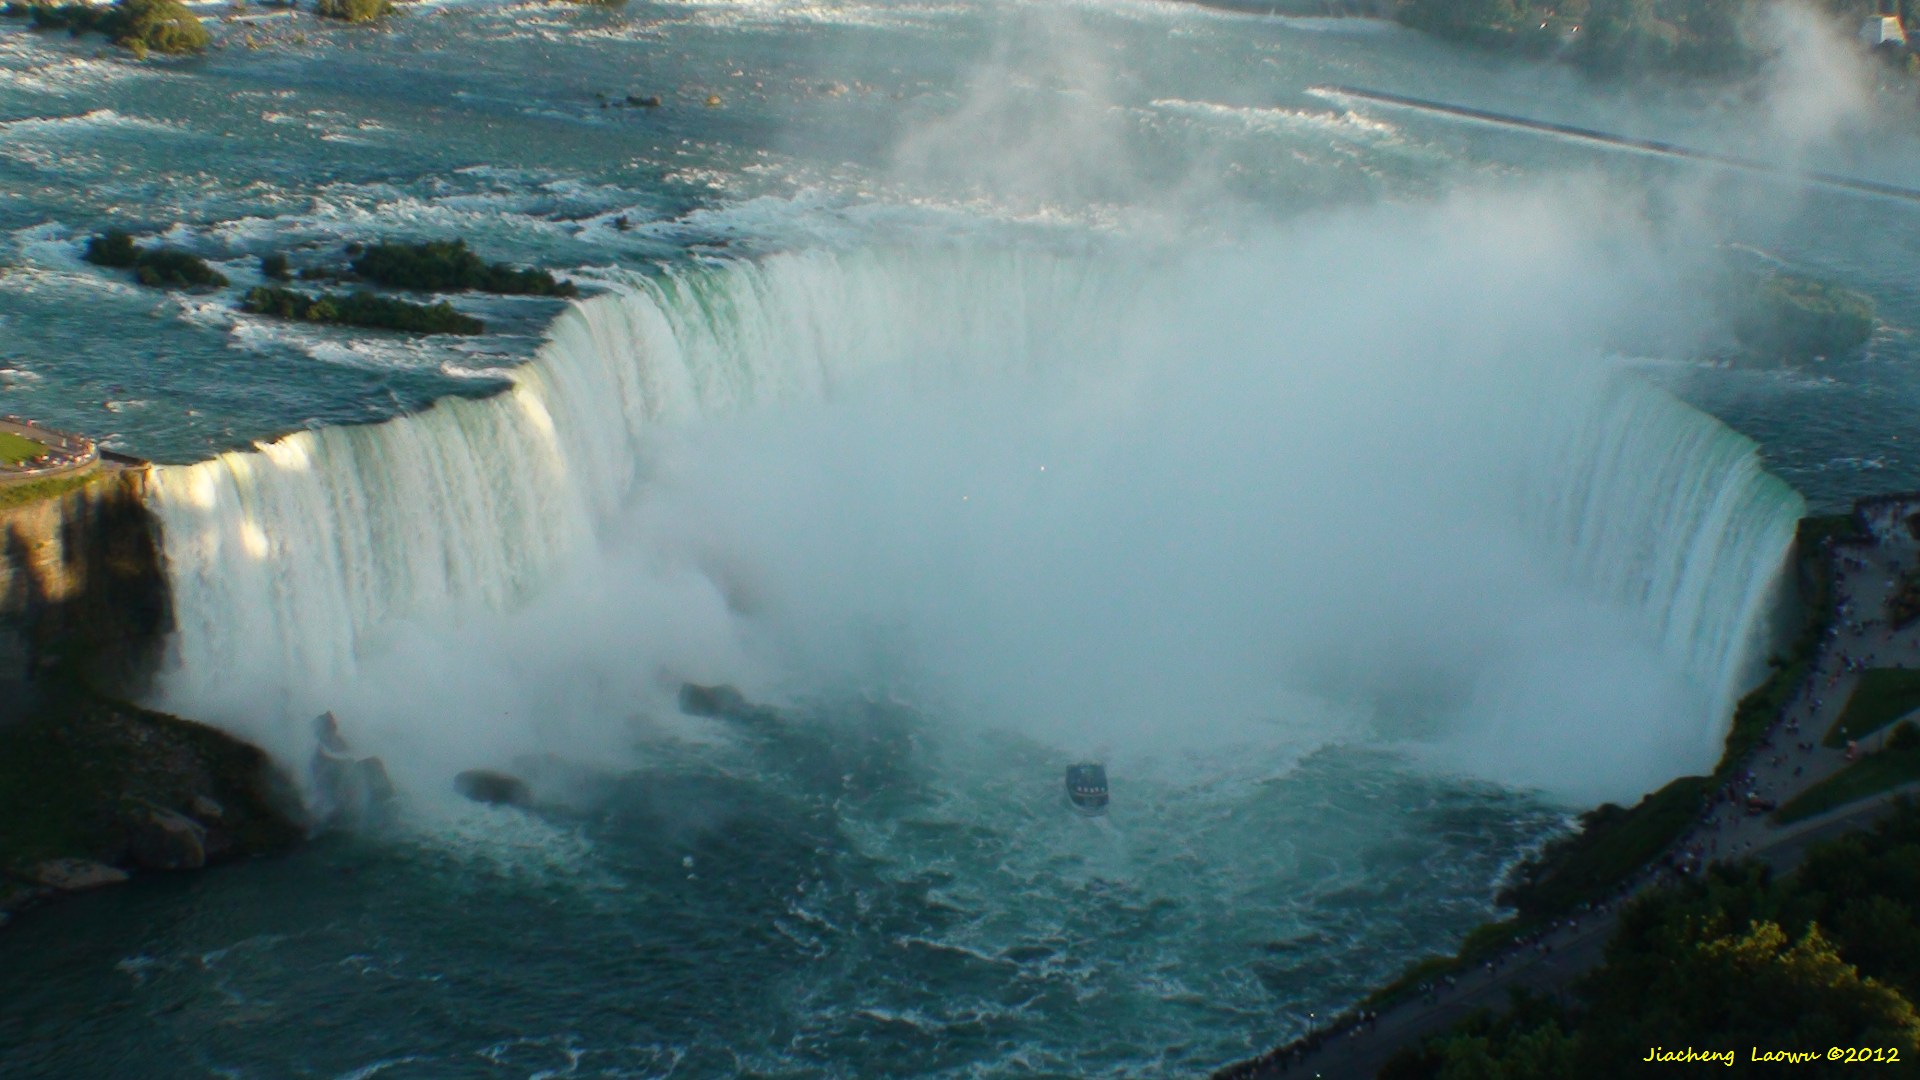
435 266
1787 318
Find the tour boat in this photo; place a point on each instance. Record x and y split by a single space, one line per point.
1087 787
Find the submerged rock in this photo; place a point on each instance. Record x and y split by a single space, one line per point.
722 702
493 788
18 895
348 790
716 701
76 875
164 840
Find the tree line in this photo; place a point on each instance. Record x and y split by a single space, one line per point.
1702 37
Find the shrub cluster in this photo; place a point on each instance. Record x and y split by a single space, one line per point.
448 266
112 248
161 268
353 11
360 308
142 26
1610 845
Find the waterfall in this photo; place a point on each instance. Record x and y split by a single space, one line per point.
294 561
289 560
1668 512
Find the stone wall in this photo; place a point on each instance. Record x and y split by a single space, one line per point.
82 590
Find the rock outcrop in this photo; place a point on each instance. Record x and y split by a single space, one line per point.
92 789
75 875
723 702
348 790
164 840
82 591
493 788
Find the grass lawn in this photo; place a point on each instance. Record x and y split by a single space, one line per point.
21 492
1883 696
1870 775
14 449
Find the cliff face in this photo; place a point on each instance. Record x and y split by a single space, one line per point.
91 786
82 590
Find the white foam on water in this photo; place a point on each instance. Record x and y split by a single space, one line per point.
1276 120
35 64
93 120
773 14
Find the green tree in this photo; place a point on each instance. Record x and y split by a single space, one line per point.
353 11
162 26
1753 987
1466 19
1544 1052
112 248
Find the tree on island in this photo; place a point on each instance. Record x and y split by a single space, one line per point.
140 26
360 308
448 266
162 26
353 11
161 267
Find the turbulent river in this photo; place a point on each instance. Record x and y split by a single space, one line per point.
984 387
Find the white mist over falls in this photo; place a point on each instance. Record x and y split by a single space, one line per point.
1366 478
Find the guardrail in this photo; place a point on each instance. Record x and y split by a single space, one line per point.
65 453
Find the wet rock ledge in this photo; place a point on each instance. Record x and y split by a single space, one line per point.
93 790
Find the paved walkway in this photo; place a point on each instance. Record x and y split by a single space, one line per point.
1788 762
66 454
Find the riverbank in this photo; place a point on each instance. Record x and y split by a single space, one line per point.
1677 39
1846 567
1400 1042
